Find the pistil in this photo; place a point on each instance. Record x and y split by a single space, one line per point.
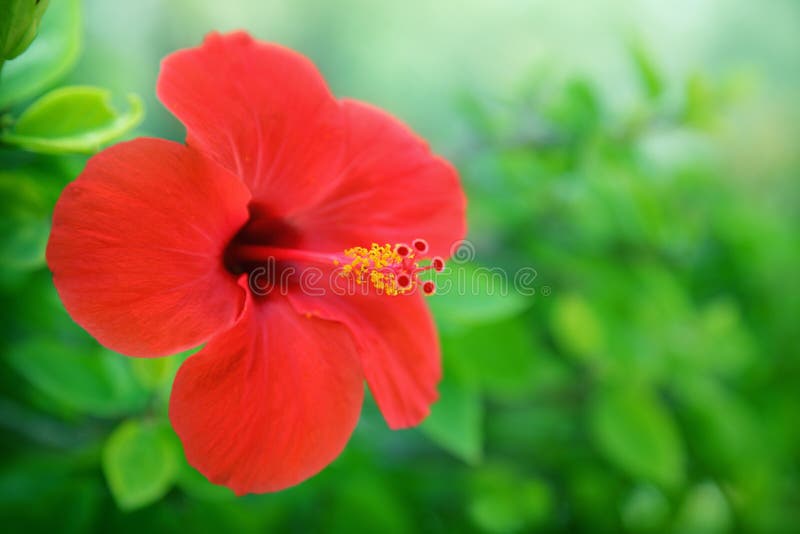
263 254
391 270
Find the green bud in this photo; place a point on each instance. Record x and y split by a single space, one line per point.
19 24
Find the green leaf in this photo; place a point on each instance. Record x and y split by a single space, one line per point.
81 376
705 511
73 119
723 344
371 498
19 26
576 328
500 356
594 491
468 294
198 487
725 426
577 112
49 58
456 419
25 205
159 373
636 432
23 242
648 73
39 479
153 372
140 461
646 509
502 502
700 108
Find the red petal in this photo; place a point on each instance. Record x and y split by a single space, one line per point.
136 247
259 109
269 403
391 188
342 173
398 347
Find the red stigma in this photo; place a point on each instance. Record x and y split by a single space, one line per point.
402 250
420 246
403 281
429 288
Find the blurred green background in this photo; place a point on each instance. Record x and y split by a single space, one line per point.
641 156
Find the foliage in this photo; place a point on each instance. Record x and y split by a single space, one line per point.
49 58
645 381
72 119
19 26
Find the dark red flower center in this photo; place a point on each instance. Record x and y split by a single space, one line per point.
262 228
270 247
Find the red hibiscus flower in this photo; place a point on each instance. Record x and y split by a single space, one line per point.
155 245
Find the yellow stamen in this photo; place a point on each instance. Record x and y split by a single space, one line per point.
378 265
